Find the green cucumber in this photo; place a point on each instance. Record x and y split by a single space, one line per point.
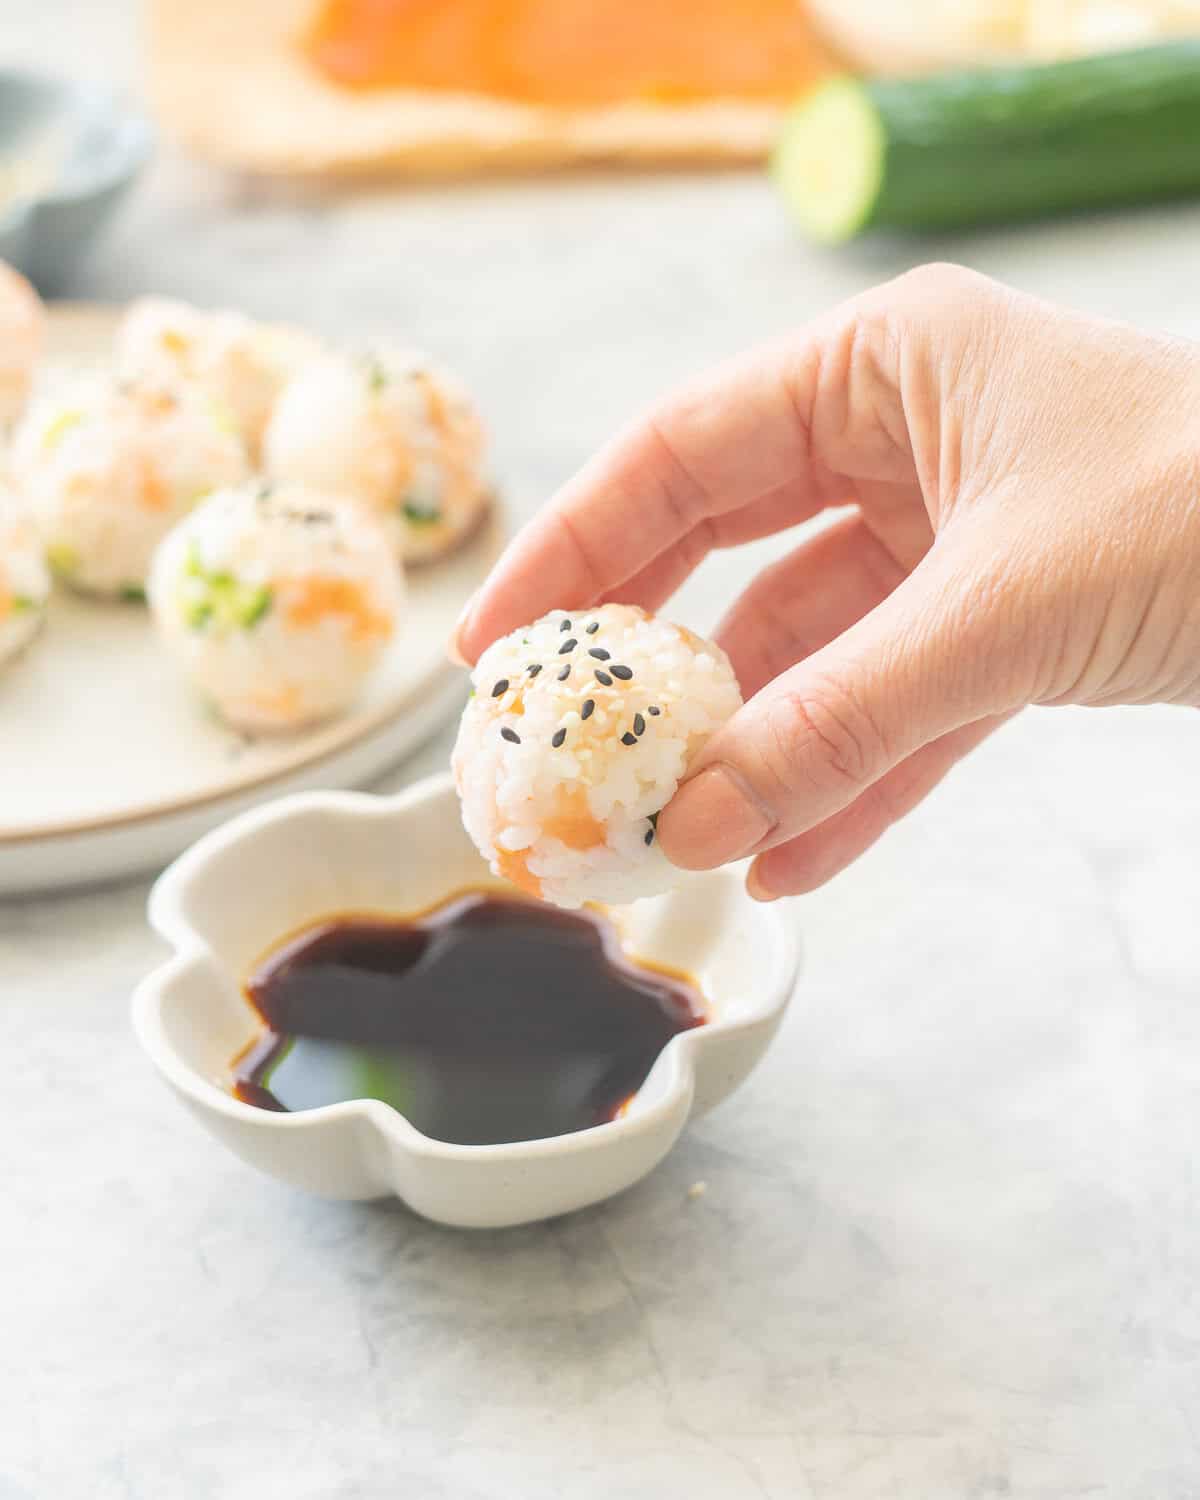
992 145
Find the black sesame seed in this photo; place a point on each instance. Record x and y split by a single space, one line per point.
624 673
559 736
510 735
588 708
628 739
593 627
649 839
639 724
500 688
603 677
599 653
654 711
565 673
567 646
535 669
566 625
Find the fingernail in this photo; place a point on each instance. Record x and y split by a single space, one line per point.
712 819
454 645
755 886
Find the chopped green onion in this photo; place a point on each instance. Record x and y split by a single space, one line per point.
132 593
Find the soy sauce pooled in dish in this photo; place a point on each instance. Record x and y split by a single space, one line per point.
486 1019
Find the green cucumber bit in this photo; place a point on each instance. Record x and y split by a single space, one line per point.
60 425
63 559
377 377
24 604
218 599
254 607
417 514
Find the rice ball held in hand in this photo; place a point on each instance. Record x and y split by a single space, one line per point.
578 732
393 432
24 579
241 364
107 468
277 601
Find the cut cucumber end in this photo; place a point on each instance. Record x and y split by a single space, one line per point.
829 161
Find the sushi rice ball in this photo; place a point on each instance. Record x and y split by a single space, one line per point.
22 333
277 601
242 364
391 431
579 730
107 467
24 578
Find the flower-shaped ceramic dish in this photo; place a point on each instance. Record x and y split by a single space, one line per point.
68 153
275 869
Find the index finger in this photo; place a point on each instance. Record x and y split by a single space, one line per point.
716 446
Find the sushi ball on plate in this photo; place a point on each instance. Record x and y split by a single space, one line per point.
242 364
22 333
107 467
24 578
578 732
277 601
393 432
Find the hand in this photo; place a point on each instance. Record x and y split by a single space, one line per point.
1024 486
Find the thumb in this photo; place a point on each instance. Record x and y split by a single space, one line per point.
926 661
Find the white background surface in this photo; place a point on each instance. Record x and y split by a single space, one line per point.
950 1244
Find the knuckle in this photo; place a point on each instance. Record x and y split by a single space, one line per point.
695 545
682 492
895 796
937 281
585 560
824 738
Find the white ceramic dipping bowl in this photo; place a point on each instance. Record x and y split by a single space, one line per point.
234 894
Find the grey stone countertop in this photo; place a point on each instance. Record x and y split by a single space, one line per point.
950 1244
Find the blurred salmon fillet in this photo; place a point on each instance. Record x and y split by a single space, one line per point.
311 87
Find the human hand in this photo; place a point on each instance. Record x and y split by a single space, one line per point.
1025 485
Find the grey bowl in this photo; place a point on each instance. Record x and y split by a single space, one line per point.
91 149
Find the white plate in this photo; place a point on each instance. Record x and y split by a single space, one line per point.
108 762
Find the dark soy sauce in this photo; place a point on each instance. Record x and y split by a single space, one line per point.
486 1019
